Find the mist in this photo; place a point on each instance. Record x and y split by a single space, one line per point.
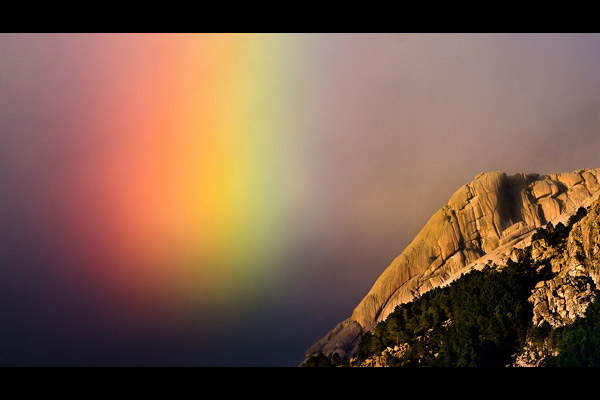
389 126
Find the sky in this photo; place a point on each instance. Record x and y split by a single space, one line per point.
227 199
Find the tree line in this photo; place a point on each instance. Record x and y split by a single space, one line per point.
481 319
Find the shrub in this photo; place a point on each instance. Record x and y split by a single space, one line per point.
319 360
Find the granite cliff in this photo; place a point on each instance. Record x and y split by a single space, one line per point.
485 220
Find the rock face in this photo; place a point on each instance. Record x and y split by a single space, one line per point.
566 296
483 220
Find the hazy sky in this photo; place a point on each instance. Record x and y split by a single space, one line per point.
336 149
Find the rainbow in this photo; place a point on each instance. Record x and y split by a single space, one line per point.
183 193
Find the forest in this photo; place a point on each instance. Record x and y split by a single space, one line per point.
481 319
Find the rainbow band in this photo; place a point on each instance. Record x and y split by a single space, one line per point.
185 199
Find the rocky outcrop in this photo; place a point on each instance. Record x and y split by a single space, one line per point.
534 356
483 220
343 338
565 297
382 359
559 301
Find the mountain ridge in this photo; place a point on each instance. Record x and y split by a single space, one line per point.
482 221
